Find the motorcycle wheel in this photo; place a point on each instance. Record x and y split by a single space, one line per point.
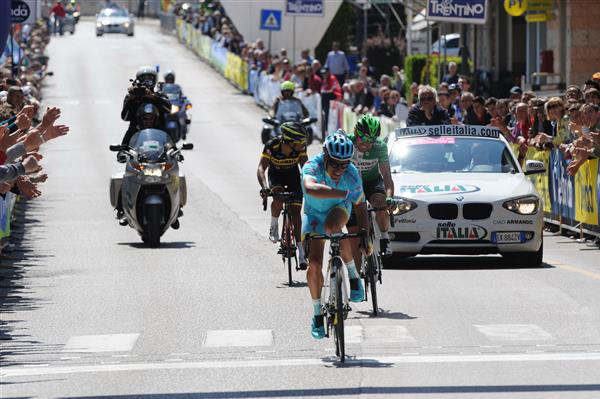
152 233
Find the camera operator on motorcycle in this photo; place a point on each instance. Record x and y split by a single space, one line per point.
142 92
147 117
287 107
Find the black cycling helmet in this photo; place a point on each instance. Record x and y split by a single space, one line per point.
147 76
170 76
146 110
293 132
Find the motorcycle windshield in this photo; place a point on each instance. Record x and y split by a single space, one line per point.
151 143
289 110
173 91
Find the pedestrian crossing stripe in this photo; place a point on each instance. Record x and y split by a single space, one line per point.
101 343
271 22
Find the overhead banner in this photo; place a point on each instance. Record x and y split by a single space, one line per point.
304 7
461 11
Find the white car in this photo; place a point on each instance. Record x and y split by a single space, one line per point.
462 191
114 20
451 42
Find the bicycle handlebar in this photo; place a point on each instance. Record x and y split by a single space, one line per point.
283 195
338 237
392 223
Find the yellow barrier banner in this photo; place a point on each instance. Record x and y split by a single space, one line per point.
586 205
189 35
541 180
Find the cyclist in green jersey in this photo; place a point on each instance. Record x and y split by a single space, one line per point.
371 159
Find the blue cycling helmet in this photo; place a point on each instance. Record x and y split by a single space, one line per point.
338 146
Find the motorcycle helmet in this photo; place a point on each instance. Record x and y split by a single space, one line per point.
288 87
338 146
368 127
293 132
169 76
147 76
147 114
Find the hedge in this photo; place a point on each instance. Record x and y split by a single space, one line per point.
415 70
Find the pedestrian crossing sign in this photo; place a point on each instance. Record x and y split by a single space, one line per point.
270 19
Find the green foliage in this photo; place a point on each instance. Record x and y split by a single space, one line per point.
422 69
338 31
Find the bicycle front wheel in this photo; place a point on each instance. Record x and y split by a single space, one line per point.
372 276
339 314
290 246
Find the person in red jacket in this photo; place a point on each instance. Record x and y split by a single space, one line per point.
58 10
330 90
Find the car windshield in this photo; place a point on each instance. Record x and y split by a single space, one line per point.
151 143
451 154
113 12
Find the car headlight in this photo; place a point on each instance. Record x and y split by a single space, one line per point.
403 205
174 109
523 206
98 24
126 24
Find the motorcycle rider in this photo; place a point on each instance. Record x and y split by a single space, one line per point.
147 117
287 104
141 92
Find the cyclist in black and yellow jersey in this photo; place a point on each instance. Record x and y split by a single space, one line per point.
282 156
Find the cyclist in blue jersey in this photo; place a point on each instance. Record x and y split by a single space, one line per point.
332 186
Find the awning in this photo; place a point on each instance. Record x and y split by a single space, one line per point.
419 22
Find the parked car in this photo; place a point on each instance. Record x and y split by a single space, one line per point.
452 43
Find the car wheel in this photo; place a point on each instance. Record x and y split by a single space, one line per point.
524 259
98 34
130 34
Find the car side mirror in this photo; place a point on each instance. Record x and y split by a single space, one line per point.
534 167
187 146
50 73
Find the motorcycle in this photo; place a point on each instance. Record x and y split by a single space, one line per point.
288 111
177 120
152 191
271 129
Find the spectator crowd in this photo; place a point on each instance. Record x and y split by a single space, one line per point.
24 127
569 122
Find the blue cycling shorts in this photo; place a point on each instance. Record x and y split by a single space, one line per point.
314 223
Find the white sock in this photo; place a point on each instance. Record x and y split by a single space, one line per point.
385 235
301 251
316 306
352 272
274 221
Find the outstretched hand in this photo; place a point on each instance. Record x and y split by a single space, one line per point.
51 116
55 131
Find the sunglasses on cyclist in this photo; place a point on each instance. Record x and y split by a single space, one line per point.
364 138
338 165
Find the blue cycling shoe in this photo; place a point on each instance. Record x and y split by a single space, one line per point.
317 327
357 291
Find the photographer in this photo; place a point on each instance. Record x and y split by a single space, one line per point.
142 92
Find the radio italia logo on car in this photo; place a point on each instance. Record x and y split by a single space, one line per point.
450 231
439 189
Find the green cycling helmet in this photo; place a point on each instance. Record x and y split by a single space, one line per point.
368 126
287 85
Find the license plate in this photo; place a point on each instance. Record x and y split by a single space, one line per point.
503 238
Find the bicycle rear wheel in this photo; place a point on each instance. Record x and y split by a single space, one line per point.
339 313
372 277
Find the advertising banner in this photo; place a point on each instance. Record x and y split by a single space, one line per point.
461 11
304 7
586 194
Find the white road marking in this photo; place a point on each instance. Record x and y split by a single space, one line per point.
377 334
236 338
16 371
101 343
513 332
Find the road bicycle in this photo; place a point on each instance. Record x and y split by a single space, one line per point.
372 265
287 243
334 296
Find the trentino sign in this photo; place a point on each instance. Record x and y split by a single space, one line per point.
304 7
461 11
